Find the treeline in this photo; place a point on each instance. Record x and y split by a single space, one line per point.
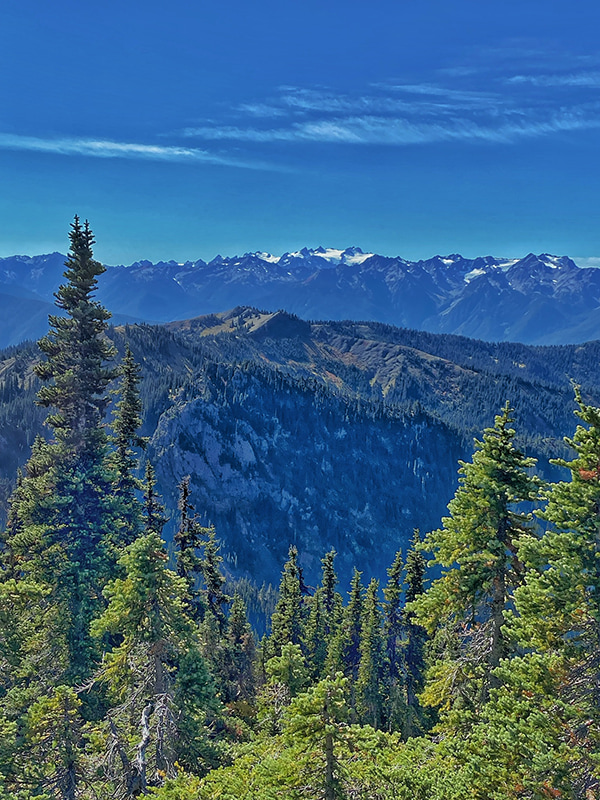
122 676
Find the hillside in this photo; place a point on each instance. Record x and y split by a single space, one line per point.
331 434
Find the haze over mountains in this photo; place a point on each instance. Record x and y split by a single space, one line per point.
538 299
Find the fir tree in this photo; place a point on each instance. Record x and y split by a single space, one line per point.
77 352
393 633
126 440
188 540
157 678
315 636
477 548
350 632
416 637
213 578
558 607
153 509
237 669
288 616
65 514
368 690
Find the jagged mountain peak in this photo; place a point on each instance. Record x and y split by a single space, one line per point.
483 296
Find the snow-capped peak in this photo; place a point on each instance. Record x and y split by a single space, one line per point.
268 257
351 255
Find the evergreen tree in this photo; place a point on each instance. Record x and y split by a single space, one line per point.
332 613
558 607
332 600
316 724
213 578
237 669
287 620
416 637
157 678
393 633
477 548
77 352
315 636
368 690
126 440
189 539
65 516
350 632
153 509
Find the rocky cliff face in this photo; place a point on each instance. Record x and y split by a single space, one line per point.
274 463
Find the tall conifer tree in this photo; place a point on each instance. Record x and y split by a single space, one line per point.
66 515
126 441
477 548
288 616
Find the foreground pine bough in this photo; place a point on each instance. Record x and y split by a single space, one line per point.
122 677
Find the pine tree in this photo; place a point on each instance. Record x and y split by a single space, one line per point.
315 723
477 548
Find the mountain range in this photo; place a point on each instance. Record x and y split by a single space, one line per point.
538 299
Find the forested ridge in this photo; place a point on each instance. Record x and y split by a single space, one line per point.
329 434
470 671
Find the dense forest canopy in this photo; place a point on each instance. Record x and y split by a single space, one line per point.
470 671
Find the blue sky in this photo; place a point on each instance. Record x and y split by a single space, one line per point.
183 130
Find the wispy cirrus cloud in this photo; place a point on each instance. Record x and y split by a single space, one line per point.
101 148
586 80
512 96
385 131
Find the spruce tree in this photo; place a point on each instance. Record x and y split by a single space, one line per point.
415 638
188 540
66 518
126 440
477 549
156 676
153 509
393 633
368 690
288 616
